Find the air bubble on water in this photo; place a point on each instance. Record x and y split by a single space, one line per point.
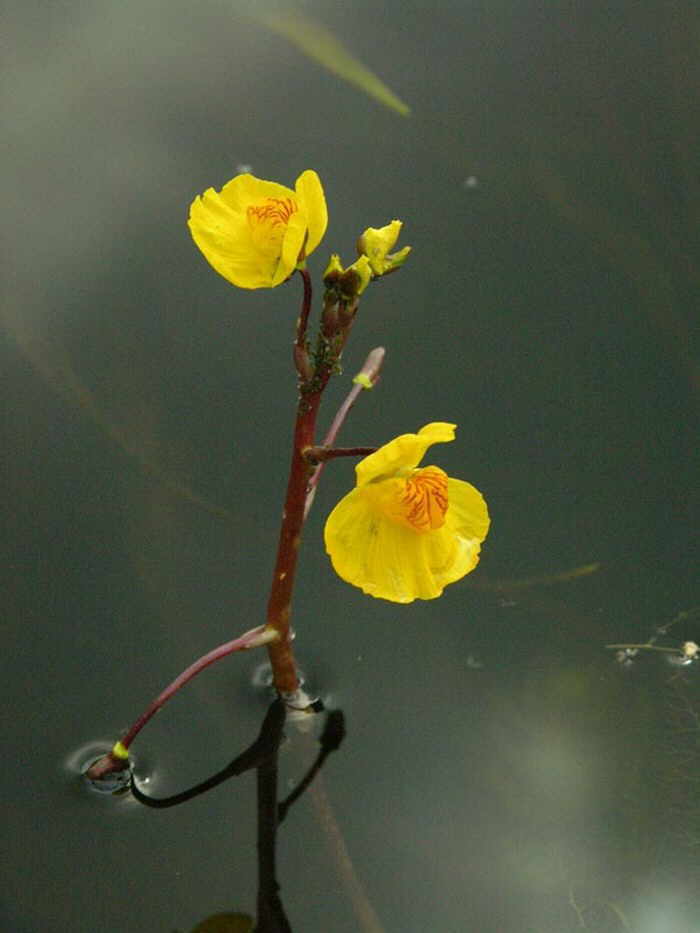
78 761
678 660
262 678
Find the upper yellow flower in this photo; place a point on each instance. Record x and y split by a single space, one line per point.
404 533
256 232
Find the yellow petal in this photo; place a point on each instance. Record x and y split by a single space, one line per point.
467 515
292 247
220 232
367 550
313 202
246 189
390 560
404 453
254 232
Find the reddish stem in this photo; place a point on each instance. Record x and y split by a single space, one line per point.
250 639
371 368
110 762
279 604
316 455
280 651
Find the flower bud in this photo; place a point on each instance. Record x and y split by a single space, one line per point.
375 244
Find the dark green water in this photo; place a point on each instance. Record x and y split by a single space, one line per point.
502 773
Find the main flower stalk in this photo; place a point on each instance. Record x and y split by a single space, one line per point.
336 320
279 604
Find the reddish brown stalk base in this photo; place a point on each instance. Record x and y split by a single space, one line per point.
279 605
312 382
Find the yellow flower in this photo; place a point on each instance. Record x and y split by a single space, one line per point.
375 244
256 232
405 532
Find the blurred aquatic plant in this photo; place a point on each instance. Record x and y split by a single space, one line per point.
320 45
680 654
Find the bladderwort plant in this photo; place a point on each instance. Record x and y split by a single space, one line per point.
405 531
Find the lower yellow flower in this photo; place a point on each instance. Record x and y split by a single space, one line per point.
254 232
404 533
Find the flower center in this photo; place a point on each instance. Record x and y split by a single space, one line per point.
419 500
268 223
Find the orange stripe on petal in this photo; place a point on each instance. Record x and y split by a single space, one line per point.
424 501
268 221
274 211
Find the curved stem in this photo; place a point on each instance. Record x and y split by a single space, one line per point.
252 639
118 758
367 377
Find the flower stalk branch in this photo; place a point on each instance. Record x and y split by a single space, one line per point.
367 378
118 758
316 455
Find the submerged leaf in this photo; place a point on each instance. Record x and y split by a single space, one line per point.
542 579
322 46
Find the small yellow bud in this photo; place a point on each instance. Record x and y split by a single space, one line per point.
361 271
362 379
347 283
334 270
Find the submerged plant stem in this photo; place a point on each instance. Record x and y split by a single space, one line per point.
645 647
